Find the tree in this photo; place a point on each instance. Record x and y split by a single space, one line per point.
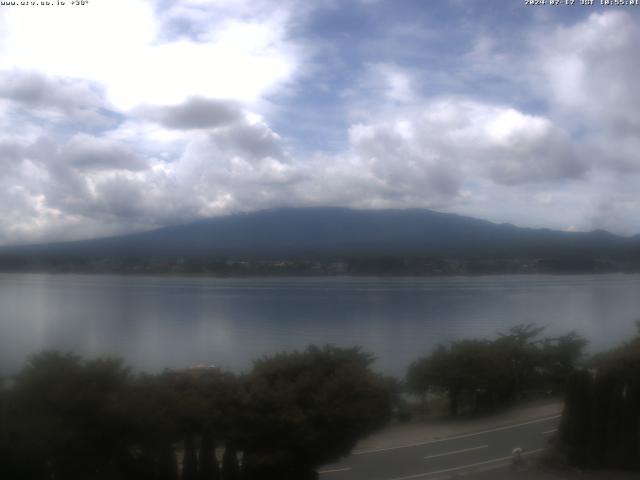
559 358
576 418
190 461
306 409
183 406
69 418
154 411
483 374
207 464
427 372
467 371
166 465
7 453
230 467
519 350
601 422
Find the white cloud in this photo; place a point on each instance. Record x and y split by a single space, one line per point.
501 143
590 75
593 67
523 148
395 83
425 156
116 43
106 130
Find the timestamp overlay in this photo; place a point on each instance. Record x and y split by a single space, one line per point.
581 3
46 3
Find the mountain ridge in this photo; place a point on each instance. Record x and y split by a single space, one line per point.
341 232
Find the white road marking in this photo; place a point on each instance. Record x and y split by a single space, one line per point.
471 465
334 470
550 431
456 451
457 437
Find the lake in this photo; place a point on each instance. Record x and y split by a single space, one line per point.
160 322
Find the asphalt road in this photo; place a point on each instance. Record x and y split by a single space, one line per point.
449 457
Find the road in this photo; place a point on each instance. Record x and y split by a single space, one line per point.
448 457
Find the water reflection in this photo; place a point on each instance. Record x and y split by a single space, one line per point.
158 322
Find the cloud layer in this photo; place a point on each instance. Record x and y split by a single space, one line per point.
203 108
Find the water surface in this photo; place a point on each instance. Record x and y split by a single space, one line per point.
158 322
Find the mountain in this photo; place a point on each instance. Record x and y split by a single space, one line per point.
297 233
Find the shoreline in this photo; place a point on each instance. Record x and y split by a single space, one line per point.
159 274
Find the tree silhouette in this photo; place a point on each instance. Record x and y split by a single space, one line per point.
230 467
306 409
208 465
67 418
480 375
190 461
601 422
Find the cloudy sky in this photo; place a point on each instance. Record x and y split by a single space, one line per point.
126 115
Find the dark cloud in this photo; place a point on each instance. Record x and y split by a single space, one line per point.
195 113
253 141
121 198
85 152
35 89
66 191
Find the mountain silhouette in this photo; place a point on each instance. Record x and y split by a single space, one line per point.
342 232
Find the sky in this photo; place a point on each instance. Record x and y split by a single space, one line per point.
127 115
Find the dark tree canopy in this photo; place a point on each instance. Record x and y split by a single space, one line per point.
483 374
64 417
308 408
69 419
601 422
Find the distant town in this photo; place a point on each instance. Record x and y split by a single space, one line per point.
392 266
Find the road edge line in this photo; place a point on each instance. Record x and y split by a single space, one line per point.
456 437
477 464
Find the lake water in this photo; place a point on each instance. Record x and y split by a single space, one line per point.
158 322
